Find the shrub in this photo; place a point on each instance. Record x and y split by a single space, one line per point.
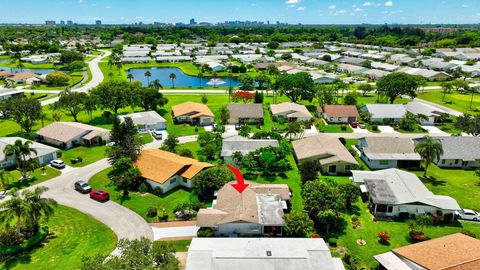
144 187
383 238
374 127
158 191
59 154
35 240
343 127
186 214
332 242
152 211
205 232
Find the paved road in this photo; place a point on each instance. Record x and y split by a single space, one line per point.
441 107
124 222
97 77
399 135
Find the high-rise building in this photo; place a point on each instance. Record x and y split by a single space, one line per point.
98 22
50 22
62 22
192 21
69 22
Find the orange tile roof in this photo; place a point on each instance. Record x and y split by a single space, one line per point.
159 165
23 75
452 252
191 108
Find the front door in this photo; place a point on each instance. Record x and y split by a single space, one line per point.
332 169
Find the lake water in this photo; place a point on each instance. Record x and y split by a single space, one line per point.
182 81
40 71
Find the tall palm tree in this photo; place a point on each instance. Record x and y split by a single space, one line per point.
38 207
130 77
429 150
14 210
472 90
200 77
21 152
148 74
157 84
293 128
172 76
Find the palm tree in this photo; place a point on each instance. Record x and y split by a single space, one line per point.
21 152
447 87
429 150
157 84
14 210
130 77
20 65
38 207
293 128
5 179
148 74
200 77
472 90
172 76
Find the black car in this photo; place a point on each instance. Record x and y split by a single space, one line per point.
82 187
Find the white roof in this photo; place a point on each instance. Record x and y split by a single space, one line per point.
144 118
244 145
394 111
260 253
41 149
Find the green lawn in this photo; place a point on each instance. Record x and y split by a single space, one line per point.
88 154
75 78
139 203
456 101
14 64
72 236
335 129
180 245
37 176
193 146
145 138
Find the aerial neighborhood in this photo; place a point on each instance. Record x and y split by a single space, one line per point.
239 145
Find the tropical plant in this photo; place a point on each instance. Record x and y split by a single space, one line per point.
148 74
293 128
172 76
429 150
130 77
5 178
21 152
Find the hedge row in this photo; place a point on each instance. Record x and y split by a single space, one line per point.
27 245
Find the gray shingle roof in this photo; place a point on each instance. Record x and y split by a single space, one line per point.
144 118
389 148
245 110
244 145
460 147
383 111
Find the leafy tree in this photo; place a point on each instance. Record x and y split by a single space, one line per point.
365 88
293 128
170 144
156 84
325 94
245 131
210 180
57 78
224 115
148 98
258 97
90 105
125 141
263 80
243 95
296 86
69 56
430 150
113 95
469 124
185 152
22 153
72 102
298 224
349 193
267 161
350 99
273 45
139 254
308 171
396 84
328 220
26 112
247 81
210 150
320 196
447 88
125 176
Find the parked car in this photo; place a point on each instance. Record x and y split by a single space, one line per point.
238 126
57 164
354 124
362 126
82 187
99 195
468 214
158 135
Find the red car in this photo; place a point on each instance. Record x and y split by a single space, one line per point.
100 195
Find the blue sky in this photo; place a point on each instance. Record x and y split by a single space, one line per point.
291 11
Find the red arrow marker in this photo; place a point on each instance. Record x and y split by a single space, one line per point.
240 186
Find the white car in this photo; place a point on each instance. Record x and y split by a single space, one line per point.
158 135
468 214
57 164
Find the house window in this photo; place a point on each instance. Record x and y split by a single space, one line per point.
173 181
383 162
382 208
389 209
443 161
456 161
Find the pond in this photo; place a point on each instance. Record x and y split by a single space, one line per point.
40 71
182 79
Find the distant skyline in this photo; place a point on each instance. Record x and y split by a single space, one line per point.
213 11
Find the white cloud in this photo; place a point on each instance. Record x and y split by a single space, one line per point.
301 8
389 3
367 4
358 9
354 6
80 1
107 7
331 7
465 6
292 1
343 11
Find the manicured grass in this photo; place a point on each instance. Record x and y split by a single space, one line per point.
180 245
456 101
416 129
72 236
193 146
14 64
145 138
335 129
88 154
139 203
75 78
36 177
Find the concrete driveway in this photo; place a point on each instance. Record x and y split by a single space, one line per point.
386 129
433 130
174 230
124 222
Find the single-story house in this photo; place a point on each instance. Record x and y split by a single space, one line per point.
136 60
261 253
338 113
352 60
460 152
385 112
216 67
44 154
167 170
173 59
69 134
433 114
243 145
245 113
428 74
332 156
291 111
398 193
257 211
21 77
351 69
193 113
452 252
4 74
7 93
146 121
388 152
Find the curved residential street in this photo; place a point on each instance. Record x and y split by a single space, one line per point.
124 222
